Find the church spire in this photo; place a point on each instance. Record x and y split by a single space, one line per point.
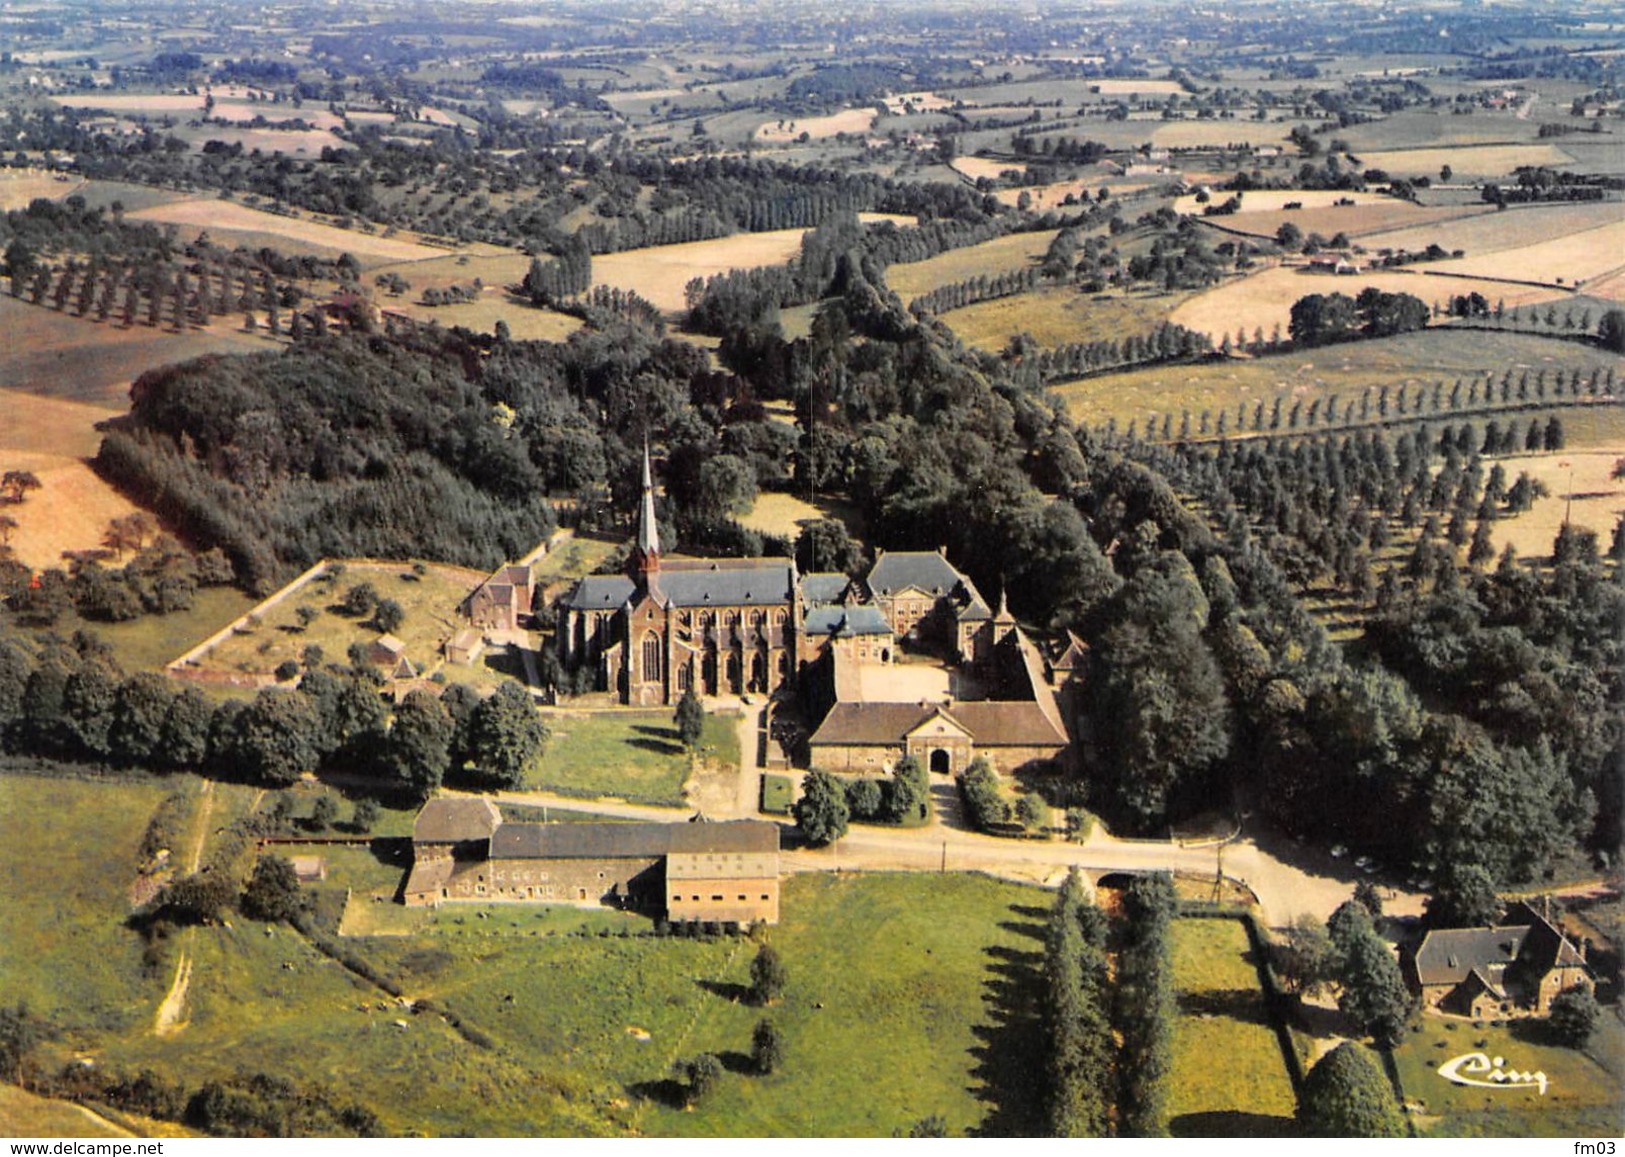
646 555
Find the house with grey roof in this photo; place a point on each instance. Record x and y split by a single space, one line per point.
1510 968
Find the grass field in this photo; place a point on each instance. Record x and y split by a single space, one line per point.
1582 492
430 603
852 120
68 853
1227 1078
1345 370
1001 255
1569 260
20 186
1056 315
778 793
61 356
1581 1098
149 643
1264 299
222 219
25 1115
1467 162
782 514
635 755
1360 222
1491 232
53 438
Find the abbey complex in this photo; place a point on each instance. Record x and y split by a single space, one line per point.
730 627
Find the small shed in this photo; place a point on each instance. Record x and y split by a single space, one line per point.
309 869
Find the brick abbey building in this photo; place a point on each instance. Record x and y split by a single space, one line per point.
732 626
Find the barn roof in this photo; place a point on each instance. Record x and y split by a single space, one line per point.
450 821
990 723
630 841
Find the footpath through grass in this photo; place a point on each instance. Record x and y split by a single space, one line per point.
1228 1077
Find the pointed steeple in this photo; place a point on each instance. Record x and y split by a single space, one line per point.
646 554
1004 615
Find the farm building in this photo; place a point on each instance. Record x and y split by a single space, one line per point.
945 738
1518 966
464 647
388 654
504 600
723 872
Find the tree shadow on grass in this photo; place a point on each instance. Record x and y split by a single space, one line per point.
737 993
660 740
737 1062
1238 1004
1231 1123
666 1092
1009 1075
1031 931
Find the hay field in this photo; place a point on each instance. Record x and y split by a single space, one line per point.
20 186
1000 255
308 141
525 322
660 272
1358 221
1581 492
223 218
990 167
1045 197
1492 231
1264 300
60 356
1420 128
1466 161
71 509
922 102
852 120
1214 134
1570 260
780 514
1056 315
1272 200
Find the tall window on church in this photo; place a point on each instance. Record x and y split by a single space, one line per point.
685 677
651 656
756 618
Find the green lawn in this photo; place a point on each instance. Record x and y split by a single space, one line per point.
68 851
778 793
1228 1077
151 641
1056 315
635 755
891 977
1581 1098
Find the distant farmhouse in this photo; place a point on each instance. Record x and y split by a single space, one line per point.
1517 966
727 873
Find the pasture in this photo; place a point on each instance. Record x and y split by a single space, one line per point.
1467 162
1000 255
1438 354
1210 134
1263 300
20 186
1581 492
781 514
68 858
632 755
660 273
1227 1077
1357 221
975 168
1490 232
56 355
1569 260
276 634
1274 200
1581 1097
852 120
223 219
1056 315
25 1115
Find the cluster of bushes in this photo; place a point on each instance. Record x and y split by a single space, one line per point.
163 578
989 810
1077 1016
71 700
828 803
453 294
